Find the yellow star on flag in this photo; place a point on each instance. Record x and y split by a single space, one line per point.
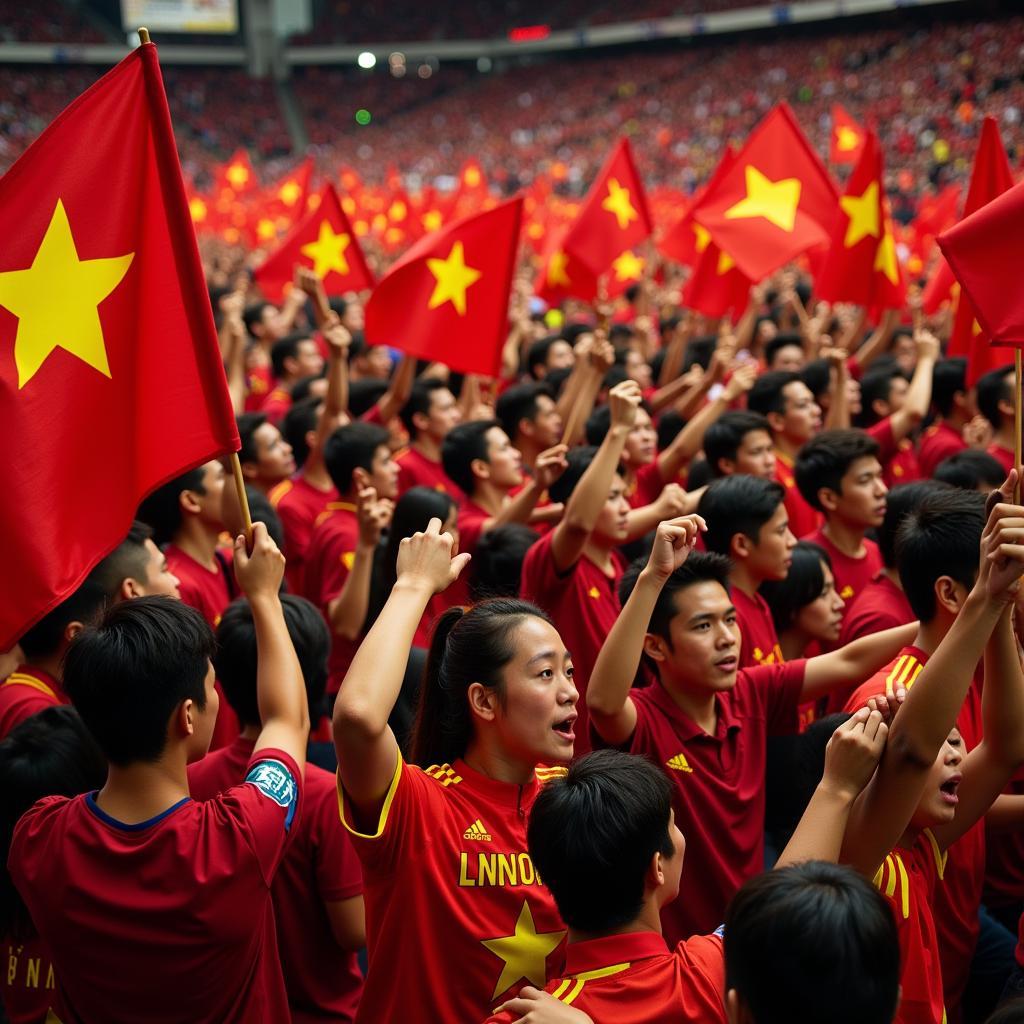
863 213
525 953
471 177
557 269
328 251
453 279
56 300
725 263
397 211
237 176
628 266
432 220
846 139
617 202
289 192
703 236
776 201
885 258
265 229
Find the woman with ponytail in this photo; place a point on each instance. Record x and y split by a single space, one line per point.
457 918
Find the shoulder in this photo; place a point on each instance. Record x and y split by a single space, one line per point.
35 825
278 492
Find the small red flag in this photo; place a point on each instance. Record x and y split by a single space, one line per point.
717 286
323 240
236 176
939 289
775 202
446 298
686 240
614 216
847 138
111 380
562 276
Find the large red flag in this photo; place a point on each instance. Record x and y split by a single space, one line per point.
775 202
111 381
716 286
686 240
324 241
847 139
446 298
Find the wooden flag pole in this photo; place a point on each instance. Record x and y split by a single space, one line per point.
243 500
144 36
1016 423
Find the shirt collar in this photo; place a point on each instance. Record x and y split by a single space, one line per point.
685 727
612 950
508 794
38 678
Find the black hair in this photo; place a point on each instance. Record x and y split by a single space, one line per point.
519 403
941 537
616 375
834 926
876 386
825 460
595 831
420 398
803 584
129 560
817 375
461 447
670 423
699 352
993 388
127 675
49 754
85 604
162 509
782 340
364 394
286 348
948 378
248 424
738 504
468 646
555 379
298 421
600 422
767 393
1010 1012
578 462
899 503
537 353
352 447
253 315
303 388
970 469
498 561
235 659
723 438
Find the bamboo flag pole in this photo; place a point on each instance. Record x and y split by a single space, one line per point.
144 36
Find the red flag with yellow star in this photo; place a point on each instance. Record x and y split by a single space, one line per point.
562 276
236 176
446 298
627 271
111 380
717 286
614 216
686 240
324 241
861 264
847 139
775 202
284 202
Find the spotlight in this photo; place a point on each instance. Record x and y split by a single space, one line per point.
366 59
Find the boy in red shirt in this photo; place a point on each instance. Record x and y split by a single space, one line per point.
954 403
995 402
430 412
174 892
748 523
529 416
740 442
317 893
704 721
266 457
292 358
839 474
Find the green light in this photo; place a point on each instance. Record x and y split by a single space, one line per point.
362 116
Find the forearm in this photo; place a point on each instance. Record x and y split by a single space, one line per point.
280 690
669 393
877 342
285 319
838 415
519 508
347 612
581 408
672 365
819 833
1002 701
691 401
745 328
856 662
336 401
690 439
587 500
401 387
919 394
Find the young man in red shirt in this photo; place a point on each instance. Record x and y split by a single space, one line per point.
429 414
266 457
529 416
176 893
704 721
317 893
839 474
740 442
954 403
292 358
748 523
995 402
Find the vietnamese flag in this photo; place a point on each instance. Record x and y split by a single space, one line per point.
614 216
324 241
236 176
562 276
446 299
717 286
861 264
287 196
847 139
111 380
626 271
775 202
940 289
686 240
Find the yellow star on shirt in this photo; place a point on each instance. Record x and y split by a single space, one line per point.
776 201
525 953
628 266
863 213
617 202
56 300
556 269
846 139
885 258
328 251
453 279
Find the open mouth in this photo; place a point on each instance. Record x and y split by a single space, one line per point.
728 664
949 790
564 728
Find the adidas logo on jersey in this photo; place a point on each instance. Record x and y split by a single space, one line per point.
477 831
679 763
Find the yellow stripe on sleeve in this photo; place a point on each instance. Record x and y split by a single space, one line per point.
905 888
574 992
560 991
383 819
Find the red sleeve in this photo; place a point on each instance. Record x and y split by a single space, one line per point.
372 415
882 433
471 528
703 959
778 688
336 866
540 580
335 564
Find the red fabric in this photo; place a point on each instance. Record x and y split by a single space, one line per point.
121 195
463 328
937 443
1004 456
320 867
27 985
718 784
880 605
562 275
1004 867
583 604
351 274
276 404
903 467
103 893
298 505
759 643
470 523
686 239
778 150
847 139
26 692
634 979
449 852
259 381
646 487
716 286
416 470
286 199
852 574
803 517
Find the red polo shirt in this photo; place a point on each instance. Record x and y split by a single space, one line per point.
852 574
803 518
718 784
24 693
759 643
298 505
416 470
879 605
646 487
938 442
1004 456
276 404
471 524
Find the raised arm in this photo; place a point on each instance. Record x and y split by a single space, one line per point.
919 394
399 390
879 340
550 465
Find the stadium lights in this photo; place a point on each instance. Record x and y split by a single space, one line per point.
366 60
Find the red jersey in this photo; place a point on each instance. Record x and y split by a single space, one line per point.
457 918
416 470
852 574
298 505
320 867
1003 455
759 643
471 524
938 442
1004 868
646 487
329 559
259 380
119 905
24 693
634 979
717 783
28 986
583 604
898 458
803 518
881 604
276 404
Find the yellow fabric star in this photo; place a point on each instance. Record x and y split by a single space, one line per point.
56 300
397 211
776 201
524 953
846 139
432 220
471 177
628 266
556 269
885 258
453 279
328 251
725 263
237 176
703 236
863 213
289 192
617 202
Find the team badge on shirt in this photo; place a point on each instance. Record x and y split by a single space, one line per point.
477 831
275 781
679 763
